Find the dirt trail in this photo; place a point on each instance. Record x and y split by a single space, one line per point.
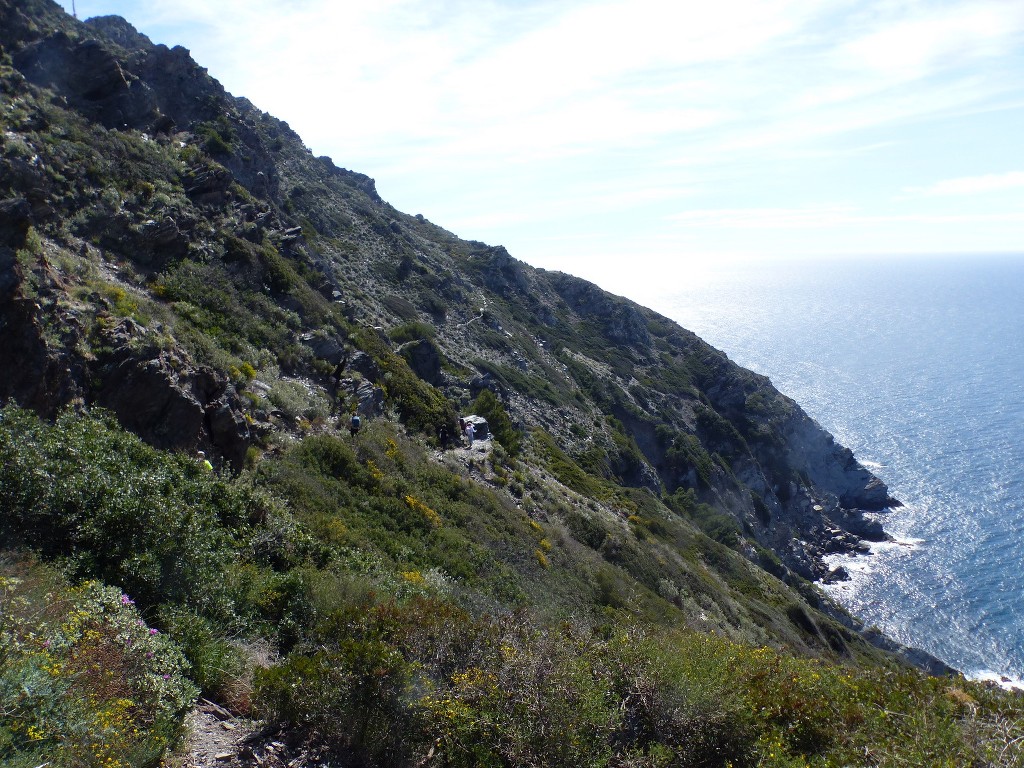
214 739
219 739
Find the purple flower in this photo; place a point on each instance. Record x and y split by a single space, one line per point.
154 631
149 654
125 600
167 677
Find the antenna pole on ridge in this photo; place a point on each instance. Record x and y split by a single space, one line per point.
74 11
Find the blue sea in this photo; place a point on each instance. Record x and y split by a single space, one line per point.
917 364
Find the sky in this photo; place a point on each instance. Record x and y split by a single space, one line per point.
631 141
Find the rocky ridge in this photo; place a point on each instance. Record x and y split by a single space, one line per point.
133 185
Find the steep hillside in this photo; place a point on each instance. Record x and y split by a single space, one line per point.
181 236
177 259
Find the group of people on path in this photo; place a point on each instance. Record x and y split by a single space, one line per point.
466 430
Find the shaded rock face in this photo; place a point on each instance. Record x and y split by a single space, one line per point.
331 349
184 91
365 365
144 86
91 78
165 400
208 185
369 397
149 400
620 319
120 31
357 180
503 274
15 220
487 381
30 376
228 432
151 242
833 467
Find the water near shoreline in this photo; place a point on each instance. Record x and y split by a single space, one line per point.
917 365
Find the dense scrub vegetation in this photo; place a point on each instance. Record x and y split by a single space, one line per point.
405 605
612 580
84 681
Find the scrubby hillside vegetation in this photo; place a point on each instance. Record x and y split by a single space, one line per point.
620 573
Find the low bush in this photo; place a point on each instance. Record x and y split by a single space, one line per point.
215 664
83 680
411 331
297 399
489 406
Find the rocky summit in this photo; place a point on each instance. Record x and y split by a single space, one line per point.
178 272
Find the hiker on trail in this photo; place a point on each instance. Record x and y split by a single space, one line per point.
203 461
442 436
354 425
469 433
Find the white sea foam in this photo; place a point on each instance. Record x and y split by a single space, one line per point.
1003 681
861 567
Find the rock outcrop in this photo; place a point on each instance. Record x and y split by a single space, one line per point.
165 399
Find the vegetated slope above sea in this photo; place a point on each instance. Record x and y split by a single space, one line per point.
181 258
173 255
916 363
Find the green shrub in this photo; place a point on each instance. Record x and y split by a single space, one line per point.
297 399
355 691
538 699
217 136
716 525
421 407
686 453
489 406
156 524
411 331
567 471
215 664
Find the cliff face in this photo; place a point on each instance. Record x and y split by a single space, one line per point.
171 253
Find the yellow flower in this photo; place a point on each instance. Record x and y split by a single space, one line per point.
432 517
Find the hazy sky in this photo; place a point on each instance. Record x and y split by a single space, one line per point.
616 139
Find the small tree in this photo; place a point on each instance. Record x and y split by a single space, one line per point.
489 406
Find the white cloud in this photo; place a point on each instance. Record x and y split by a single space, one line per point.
973 185
766 218
826 217
931 37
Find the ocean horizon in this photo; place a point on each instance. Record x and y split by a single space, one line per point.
917 365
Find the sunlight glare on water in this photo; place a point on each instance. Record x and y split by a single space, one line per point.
916 364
